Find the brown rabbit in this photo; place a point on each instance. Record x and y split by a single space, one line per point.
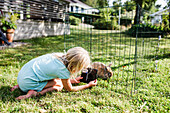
104 72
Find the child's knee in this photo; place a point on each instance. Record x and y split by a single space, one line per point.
58 88
58 82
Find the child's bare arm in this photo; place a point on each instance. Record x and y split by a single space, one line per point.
68 86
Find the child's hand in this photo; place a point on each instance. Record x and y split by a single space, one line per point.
93 83
79 78
76 80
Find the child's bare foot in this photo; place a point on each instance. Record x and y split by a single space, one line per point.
31 93
15 87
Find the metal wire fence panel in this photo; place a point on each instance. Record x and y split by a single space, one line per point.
107 41
153 45
109 44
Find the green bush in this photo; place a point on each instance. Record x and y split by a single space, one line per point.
125 21
106 25
165 23
74 20
147 30
106 22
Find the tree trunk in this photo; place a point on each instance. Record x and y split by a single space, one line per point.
137 15
138 11
169 15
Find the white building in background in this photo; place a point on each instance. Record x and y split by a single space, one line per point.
77 6
157 16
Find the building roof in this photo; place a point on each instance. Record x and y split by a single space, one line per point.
82 5
79 3
71 1
159 12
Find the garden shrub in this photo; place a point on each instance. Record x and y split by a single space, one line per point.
106 24
74 20
165 23
125 21
147 30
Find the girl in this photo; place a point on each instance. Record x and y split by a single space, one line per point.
52 72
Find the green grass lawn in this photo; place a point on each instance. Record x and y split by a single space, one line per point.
142 90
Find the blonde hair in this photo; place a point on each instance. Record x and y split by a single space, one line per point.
77 58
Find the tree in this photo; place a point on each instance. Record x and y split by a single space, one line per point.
103 3
145 4
96 3
169 12
129 5
168 3
116 5
158 6
92 3
105 13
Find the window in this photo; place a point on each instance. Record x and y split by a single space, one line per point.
82 10
77 8
71 8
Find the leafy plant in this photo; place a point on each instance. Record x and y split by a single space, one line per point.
105 14
106 22
125 21
106 25
145 30
9 21
74 20
165 23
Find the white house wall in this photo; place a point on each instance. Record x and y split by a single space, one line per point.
32 29
87 9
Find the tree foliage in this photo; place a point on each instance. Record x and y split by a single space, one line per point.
116 5
142 4
129 5
96 3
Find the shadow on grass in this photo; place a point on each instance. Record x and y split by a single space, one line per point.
6 95
123 65
163 56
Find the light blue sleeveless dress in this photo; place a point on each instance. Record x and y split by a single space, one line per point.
35 74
